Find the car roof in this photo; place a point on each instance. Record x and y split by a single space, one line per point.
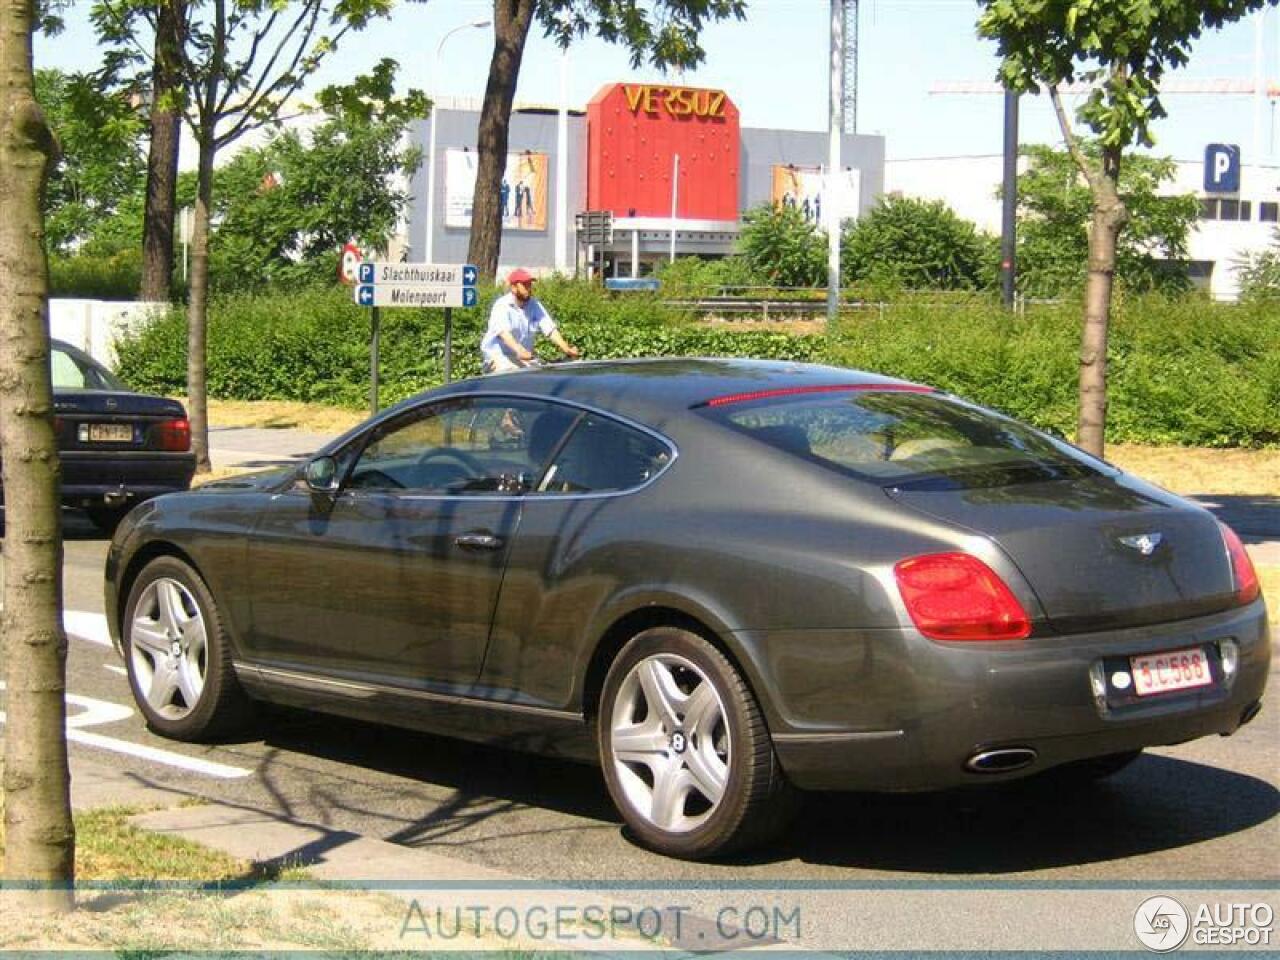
655 389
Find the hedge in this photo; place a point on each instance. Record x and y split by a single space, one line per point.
1183 371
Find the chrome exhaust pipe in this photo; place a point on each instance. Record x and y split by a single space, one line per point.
1004 760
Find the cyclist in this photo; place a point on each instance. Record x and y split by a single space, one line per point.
514 324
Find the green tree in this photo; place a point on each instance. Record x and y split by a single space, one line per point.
665 32
1260 273
100 163
917 244
782 248
1054 207
240 63
39 834
1124 50
285 208
169 23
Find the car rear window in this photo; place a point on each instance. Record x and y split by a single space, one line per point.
70 373
900 438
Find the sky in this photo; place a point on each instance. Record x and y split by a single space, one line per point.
774 66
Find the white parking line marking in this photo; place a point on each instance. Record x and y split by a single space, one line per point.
114 669
87 626
96 712
168 758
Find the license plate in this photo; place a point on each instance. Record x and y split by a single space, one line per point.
1173 670
111 433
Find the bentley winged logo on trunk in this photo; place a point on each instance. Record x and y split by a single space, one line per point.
1144 543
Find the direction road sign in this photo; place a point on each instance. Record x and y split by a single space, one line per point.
414 295
418 274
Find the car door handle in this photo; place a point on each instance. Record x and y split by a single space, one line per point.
479 541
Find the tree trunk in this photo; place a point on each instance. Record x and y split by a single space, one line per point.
40 837
511 20
198 307
1109 217
162 157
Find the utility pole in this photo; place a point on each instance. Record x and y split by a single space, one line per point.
1009 213
830 188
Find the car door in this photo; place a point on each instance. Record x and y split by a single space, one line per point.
394 578
577 530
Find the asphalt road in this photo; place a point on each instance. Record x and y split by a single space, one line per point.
1203 812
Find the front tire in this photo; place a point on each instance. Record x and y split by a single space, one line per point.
178 655
684 747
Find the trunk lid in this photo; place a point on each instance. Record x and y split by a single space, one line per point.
107 413
1099 551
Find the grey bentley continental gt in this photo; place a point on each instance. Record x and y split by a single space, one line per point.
721 580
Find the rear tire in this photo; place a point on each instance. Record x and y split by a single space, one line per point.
684 747
178 655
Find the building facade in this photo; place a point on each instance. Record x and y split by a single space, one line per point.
671 164
1239 206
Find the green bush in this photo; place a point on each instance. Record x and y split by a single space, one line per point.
917 244
694 277
114 277
1181 371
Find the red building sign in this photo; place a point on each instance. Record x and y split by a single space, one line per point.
634 132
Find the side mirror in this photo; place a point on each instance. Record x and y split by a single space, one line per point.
322 475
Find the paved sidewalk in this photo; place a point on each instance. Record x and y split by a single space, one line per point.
254 447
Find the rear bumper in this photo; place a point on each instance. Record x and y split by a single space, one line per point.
125 476
923 718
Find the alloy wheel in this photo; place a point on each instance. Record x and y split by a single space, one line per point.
670 743
168 641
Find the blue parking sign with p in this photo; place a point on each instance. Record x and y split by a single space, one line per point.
366 273
1222 168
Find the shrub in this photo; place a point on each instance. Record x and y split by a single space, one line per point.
694 277
114 277
783 248
918 244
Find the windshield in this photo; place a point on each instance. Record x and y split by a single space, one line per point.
908 439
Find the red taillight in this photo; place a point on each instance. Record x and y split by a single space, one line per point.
1243 575
955 596
173 435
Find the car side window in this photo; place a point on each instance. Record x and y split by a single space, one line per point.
601 456
468 446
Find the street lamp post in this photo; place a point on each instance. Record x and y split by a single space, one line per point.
431 145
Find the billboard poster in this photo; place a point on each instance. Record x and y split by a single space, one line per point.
524 189
801 187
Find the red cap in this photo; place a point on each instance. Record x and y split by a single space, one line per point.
520 275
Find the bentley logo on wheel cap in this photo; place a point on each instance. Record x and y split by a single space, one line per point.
1144 543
